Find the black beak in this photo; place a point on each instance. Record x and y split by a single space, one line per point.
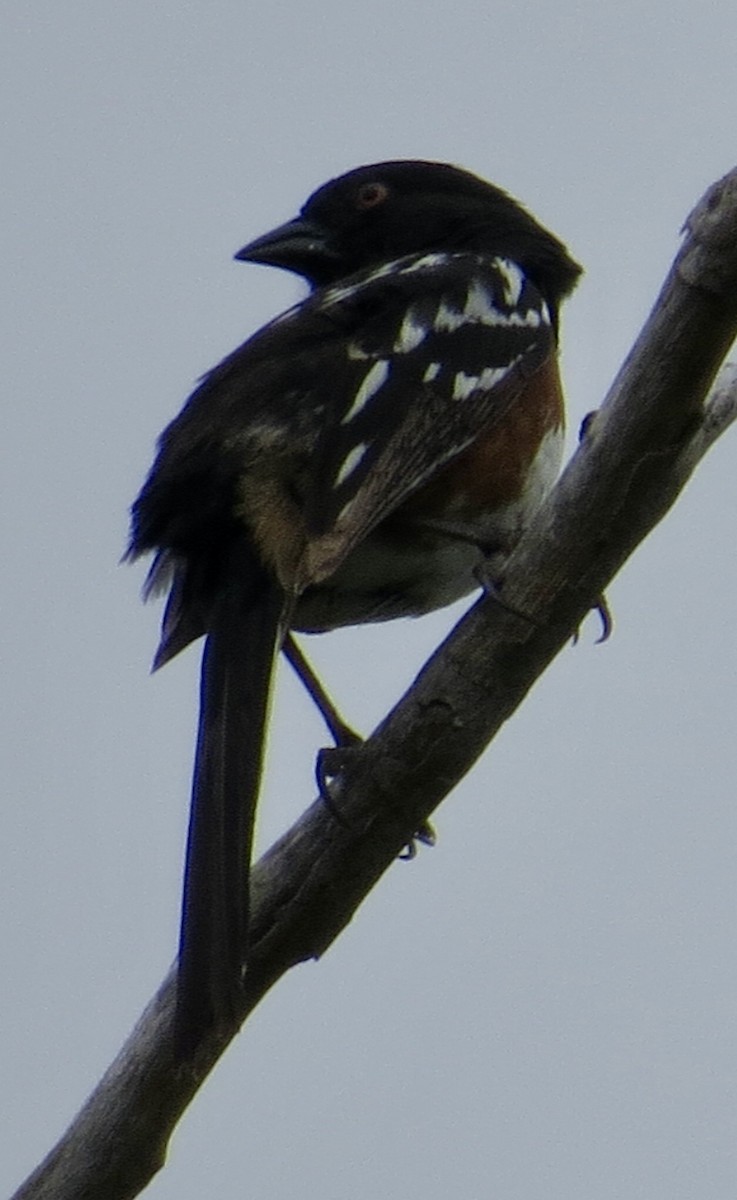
299 245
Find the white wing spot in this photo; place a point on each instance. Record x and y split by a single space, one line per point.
345 510
431 372
464 384
374 378
447 320
350 462
335 295
479 307
513 281
411 334
427 263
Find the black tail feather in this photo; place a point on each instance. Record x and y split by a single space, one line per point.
237 666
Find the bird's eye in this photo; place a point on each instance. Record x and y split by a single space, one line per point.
370 195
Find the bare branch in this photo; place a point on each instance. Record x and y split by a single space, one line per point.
637 454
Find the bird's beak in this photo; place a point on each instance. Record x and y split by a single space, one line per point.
299 245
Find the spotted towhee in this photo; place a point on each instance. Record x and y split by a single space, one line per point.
358 459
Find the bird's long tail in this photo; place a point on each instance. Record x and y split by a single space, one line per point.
237 666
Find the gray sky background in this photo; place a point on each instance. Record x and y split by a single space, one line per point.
543 1005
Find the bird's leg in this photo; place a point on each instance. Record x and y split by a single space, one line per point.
492 586
331 760
341 733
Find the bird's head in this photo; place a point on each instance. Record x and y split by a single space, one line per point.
379 213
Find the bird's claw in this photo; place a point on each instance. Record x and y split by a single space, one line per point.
330 763
425 835
606 618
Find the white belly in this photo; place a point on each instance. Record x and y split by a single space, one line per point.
409 570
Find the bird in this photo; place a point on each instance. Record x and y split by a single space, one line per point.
362 457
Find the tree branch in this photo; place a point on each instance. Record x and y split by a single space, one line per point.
638 452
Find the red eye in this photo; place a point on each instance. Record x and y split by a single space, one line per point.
371 194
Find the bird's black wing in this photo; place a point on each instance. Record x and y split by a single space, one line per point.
348 403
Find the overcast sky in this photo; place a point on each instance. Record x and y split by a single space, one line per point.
543 1005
